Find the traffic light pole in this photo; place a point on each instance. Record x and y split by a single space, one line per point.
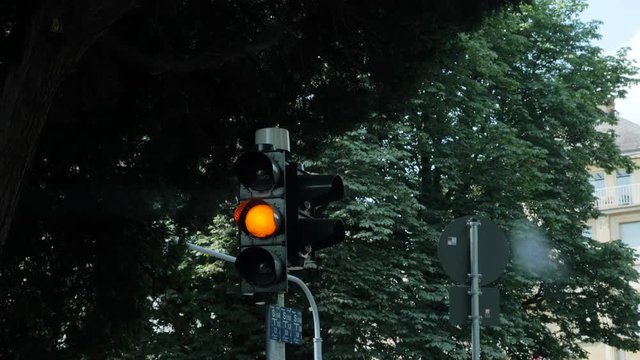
275 349
317 340
475 289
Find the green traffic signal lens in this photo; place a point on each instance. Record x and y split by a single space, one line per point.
259 266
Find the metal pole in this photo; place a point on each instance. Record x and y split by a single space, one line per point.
275 349
213 253
475 289
317 340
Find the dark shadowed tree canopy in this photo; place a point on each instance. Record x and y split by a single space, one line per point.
118 122
217 68
504 124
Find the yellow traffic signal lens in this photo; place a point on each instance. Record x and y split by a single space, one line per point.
260 221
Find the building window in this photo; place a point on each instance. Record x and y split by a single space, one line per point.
597 181
623 187
630 234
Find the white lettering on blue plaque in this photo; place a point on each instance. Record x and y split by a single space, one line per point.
285 324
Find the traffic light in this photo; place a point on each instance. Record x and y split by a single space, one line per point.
276 211
261 216
310 192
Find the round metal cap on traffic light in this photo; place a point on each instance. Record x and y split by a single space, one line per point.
259 267
257 171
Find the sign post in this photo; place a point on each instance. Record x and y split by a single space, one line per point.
473 252
275 347
475 289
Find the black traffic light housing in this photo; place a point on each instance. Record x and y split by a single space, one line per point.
262 220
312 191
277 227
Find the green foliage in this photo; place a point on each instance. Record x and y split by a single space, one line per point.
381 292
507 130
500 122
201 316
142 133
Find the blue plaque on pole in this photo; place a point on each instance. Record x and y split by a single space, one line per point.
285 324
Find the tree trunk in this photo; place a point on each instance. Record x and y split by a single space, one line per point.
58 35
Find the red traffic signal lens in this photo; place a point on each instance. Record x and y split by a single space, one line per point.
238 213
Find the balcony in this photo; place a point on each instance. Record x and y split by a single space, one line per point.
617 196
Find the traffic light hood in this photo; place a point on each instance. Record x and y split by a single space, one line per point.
320 189
320 233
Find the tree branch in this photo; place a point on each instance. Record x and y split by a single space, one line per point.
172 63
57 37
536 298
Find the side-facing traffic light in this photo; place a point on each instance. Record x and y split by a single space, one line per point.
312 191
261 217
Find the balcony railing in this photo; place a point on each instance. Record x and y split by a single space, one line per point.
617 196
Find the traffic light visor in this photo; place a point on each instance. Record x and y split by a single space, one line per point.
257 171
321 233
320 189
258 218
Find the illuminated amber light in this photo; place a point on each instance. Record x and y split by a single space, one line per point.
260 221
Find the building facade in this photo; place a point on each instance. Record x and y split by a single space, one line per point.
618 198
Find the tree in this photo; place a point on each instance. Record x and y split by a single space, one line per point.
55 35
258 43
520 104
382 293
508 131
129 116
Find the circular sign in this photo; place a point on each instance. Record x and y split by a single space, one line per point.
454 250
